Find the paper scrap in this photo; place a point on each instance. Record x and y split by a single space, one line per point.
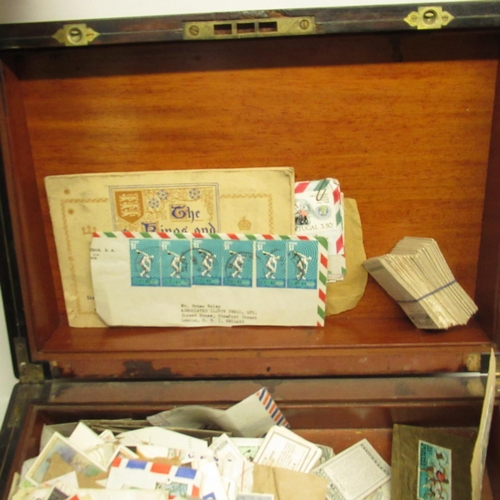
354 473
285 449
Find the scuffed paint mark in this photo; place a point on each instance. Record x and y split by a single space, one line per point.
144 370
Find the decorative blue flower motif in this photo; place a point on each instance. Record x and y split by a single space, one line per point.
162 194
194 193
154 203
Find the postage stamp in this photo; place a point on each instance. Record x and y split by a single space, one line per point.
145 265
434 472
238 263
174 489
207 262
60 448
302 264
271 263
176 263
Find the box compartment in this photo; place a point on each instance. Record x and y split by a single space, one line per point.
334 412
406 121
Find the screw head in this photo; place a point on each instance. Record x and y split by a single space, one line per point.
194 30
304 24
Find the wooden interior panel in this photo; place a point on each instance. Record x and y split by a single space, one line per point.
403 121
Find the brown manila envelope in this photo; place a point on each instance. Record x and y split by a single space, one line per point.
248 200
287 484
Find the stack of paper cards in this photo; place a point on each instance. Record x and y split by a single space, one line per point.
415 274
208 279
319 211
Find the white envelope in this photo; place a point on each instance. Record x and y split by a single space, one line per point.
162 437
251 417
209 279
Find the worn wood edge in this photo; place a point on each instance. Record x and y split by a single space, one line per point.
467 15
317 391
284 363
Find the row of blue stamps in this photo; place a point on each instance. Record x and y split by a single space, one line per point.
216 262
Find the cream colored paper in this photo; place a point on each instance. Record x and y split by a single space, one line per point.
250 200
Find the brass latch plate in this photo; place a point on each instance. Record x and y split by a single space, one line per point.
75 35
429 18
250 28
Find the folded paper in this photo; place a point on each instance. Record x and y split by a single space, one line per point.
345 294
208 279
257 200
251 417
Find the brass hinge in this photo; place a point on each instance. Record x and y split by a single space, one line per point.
429 18
29 373
250 28
75 35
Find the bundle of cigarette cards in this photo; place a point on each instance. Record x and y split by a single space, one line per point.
157 463
415 274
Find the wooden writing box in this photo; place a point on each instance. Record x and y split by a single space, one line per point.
407 119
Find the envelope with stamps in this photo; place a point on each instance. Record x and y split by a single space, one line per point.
246 200
214 279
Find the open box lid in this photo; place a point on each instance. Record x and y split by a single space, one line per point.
406 121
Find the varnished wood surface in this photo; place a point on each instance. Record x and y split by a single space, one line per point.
488 283
344 347
404 122
39 302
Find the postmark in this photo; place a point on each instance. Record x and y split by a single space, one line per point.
302 264
434 472
271 263
207 262
238 263
145 264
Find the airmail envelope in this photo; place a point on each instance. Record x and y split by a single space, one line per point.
208 279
